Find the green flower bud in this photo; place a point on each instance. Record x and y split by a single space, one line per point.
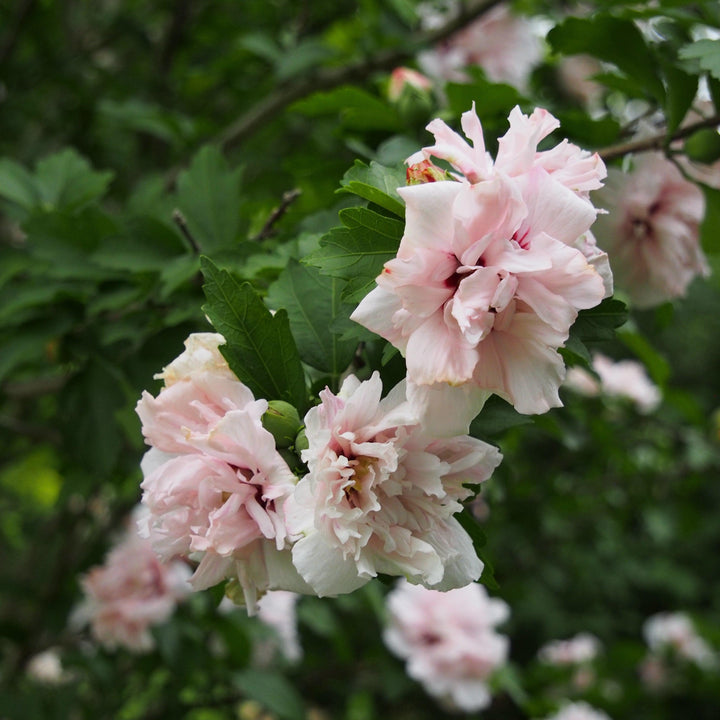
301 441
282 421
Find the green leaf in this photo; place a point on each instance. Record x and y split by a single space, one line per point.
707 54
473 529
65 181
681 91
377 184
613 40
599 323
710 228
313 305
17 185
301 59
358 251
260 348
357 109
495 418
30 347
273 691
91 399
491 99
209 196
67 242
144 245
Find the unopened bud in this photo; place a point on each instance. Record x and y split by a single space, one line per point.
403 77
282 421
301 441
426 172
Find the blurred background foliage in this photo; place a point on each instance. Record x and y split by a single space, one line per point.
136 136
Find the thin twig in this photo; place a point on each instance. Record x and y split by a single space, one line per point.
657 142
331 77
267 230
181 222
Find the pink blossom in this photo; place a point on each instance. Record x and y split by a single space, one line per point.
503 44
214 481
448 640
277 610
487 281
578 711
580 649
651 232
380 494
622 379
129 593
675 631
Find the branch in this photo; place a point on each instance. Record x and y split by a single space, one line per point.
657 142
288 199
331 77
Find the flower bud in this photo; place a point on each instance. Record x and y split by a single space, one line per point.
402 78
282 421
426 172
301 441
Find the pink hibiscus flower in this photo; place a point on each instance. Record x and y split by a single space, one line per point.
380 494
448 640
129 593
214 482
487 280
652 230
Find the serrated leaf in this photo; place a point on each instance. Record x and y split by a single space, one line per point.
377 184
259 348
314 308
144 245
707 54
599 323
358 251
209 196
614 40
17 184
65 181
273 691
681 91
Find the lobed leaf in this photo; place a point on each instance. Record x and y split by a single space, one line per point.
259 348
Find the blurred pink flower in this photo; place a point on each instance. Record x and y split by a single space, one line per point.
578 711
580 649
277 610
651 231
622 378
404 76
448 640
504 44
487 281
380 494
214 481
129 593
676 632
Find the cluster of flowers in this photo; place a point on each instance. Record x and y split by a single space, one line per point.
379 495
493 267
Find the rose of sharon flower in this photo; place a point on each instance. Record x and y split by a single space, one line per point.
578 711
214 481
676 631
380 494
623 379
582 648
504 44
487 280
651 232
129 593
448 640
